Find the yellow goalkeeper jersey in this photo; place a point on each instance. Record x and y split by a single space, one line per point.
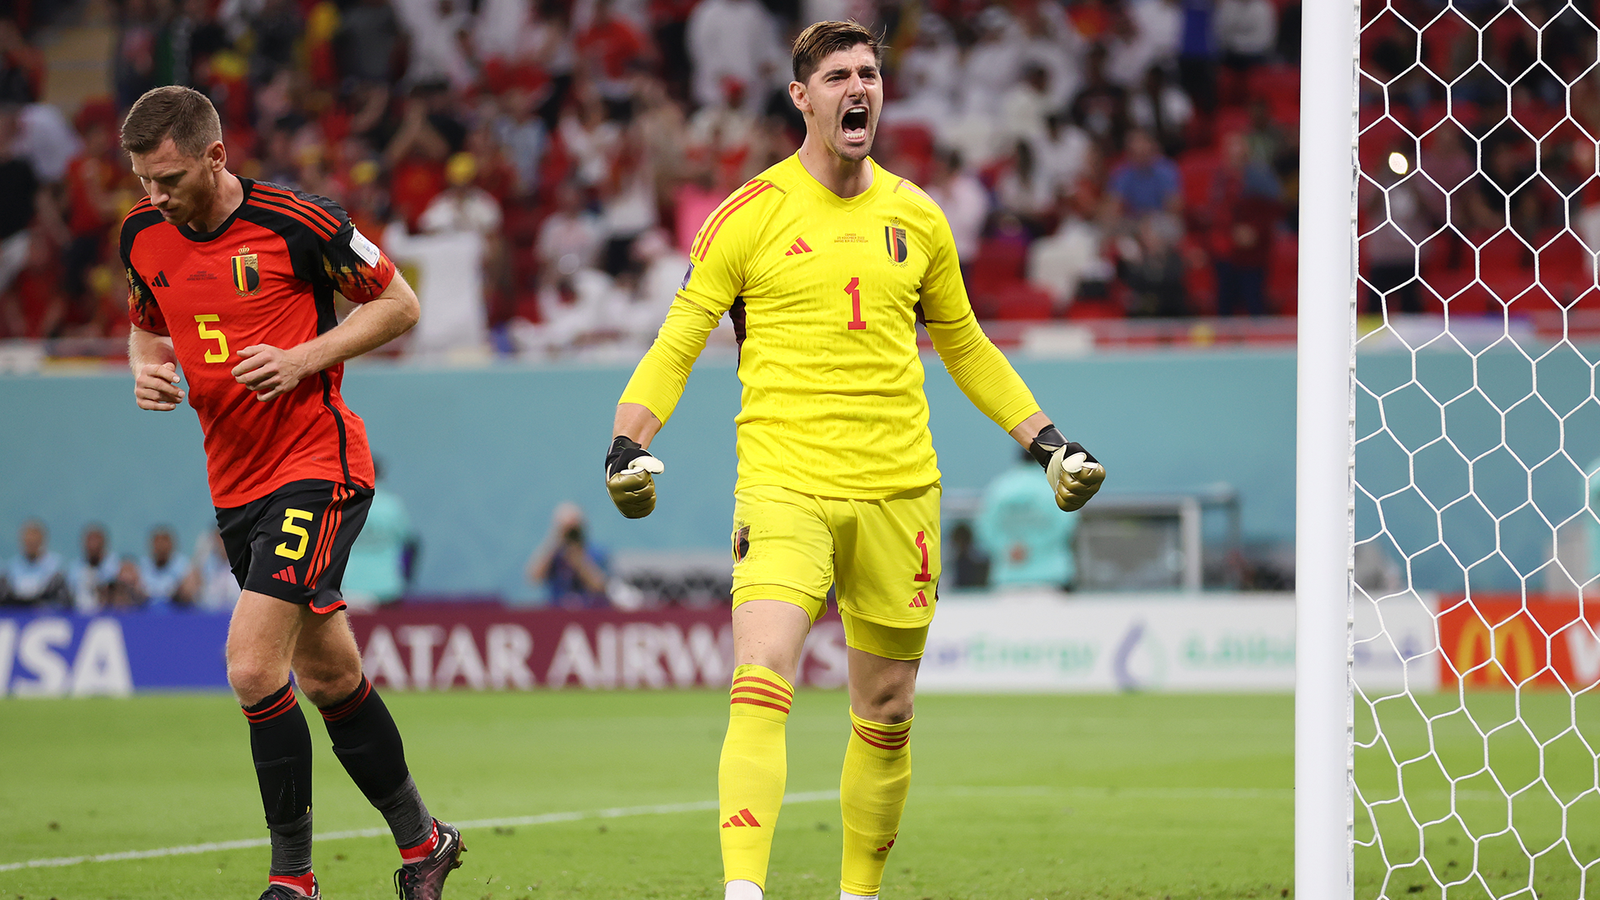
824 293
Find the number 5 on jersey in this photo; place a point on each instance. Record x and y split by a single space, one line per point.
290 528
213 334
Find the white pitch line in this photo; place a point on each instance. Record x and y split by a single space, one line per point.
618 812
623 812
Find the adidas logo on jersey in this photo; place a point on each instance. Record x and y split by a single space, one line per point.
741 819
287 575
920 600
799 246
160 280
885 847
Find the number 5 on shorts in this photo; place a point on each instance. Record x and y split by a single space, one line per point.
289 527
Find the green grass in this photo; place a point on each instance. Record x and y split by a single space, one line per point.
1495 798
1013 797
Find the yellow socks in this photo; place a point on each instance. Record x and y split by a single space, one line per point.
872 794
752 772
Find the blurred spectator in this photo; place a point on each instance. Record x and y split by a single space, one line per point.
162 571
380 559
570 237
462 205
19 190
737 39
92 574
1245 211
1152 266
370 42
1027 538
22 66
928 78
1159 108
1100 107
1393 223
449 284
1197 54
210 580
1024 107
962 198
661 273
1063 152
1072 259
126 592
572 570
1145 182
608 47
1247 32
35 577
138 32
1155 33
968 563
93 200
1025 191
439 40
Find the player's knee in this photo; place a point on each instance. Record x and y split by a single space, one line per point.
887 707
253 682
327 685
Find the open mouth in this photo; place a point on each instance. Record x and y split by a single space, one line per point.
854 123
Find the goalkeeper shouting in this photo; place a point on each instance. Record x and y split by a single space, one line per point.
826 263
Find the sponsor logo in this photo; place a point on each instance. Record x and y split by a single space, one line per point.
741 819
246 273
885 847
919 601
160 280
287 575
799 246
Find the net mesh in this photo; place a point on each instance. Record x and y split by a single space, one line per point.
1477 443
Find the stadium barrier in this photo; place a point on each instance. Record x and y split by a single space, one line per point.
1023 641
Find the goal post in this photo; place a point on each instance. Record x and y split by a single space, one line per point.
1325 461
1447 709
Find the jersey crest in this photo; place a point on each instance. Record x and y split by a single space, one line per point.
246 272
895 237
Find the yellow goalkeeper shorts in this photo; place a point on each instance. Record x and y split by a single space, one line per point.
881 556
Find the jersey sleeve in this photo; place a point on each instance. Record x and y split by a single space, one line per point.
355 265
716 278
143 311
975 364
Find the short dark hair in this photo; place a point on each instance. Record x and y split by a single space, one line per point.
181 113
822 38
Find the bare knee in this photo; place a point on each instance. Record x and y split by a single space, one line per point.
326 683
888 705
254 680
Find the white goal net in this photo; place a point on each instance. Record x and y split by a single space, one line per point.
1477 440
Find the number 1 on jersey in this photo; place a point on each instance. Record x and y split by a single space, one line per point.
922 544
854 290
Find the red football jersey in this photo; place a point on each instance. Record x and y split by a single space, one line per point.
267 275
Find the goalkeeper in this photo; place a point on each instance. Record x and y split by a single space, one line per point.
826 263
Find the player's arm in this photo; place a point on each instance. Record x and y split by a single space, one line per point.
987 378
386 308
155 370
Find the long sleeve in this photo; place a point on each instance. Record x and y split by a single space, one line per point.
658 380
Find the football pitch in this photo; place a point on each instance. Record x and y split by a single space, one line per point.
612 795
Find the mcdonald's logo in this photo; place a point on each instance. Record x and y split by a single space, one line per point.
1508 648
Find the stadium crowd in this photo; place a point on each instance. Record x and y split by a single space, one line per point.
540 166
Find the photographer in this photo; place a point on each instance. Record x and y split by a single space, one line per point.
572 570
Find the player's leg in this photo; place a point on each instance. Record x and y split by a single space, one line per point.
888 588
327 666
782 568
261 638
876 776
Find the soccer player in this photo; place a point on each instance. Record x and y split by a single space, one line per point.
826 263
232 281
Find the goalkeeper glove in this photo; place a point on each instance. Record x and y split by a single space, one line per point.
1074 474
628 470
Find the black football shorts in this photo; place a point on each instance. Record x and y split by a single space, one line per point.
293 543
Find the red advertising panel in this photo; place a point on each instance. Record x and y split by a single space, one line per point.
489 647
1500 641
